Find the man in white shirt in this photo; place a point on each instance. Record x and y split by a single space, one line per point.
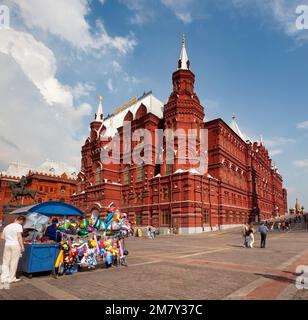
14 246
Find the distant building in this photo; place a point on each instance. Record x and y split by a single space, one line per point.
54 181
298 209
241 183
17 169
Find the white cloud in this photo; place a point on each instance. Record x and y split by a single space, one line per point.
142 9
81 90
278 142
67 19
37 62
181 9
110 85
105 42
39 115
301 163
303 125
280 14
117 69
275 152
31 130
116 66
274 145
277 145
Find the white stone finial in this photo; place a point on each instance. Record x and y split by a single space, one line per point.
183 40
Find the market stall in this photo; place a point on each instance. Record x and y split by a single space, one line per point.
83 242
92 242
40 256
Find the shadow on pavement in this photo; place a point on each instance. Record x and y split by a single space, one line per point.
276 278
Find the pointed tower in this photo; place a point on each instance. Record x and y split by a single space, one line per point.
183 99
184 63
297 206
99 116
97 123
183 109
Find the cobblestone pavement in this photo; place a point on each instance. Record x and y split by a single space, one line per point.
202 266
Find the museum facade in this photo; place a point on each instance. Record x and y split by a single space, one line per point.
241 183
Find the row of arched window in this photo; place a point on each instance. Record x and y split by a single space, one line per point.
233 177
235 217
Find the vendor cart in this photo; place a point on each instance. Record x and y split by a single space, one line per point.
38 257
41 257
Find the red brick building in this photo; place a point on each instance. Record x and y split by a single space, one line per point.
241 183
5 191
50 187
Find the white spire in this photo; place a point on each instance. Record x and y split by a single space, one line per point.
261 140
99 115
234 126
183 61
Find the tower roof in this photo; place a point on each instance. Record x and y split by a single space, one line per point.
234 126
99 115
297 204
184 60
115 121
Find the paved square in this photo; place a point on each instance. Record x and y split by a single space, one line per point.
201 266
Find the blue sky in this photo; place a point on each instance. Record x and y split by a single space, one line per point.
58 56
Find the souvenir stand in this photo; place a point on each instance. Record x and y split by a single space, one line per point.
41 257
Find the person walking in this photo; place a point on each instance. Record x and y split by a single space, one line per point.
245 235
12 234
263 229
279 226
251 237
150 232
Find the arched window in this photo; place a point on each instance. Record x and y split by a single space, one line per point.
166 218
225 177
234 217
138 218
97 175
205 217
142 111
237 181
129 116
